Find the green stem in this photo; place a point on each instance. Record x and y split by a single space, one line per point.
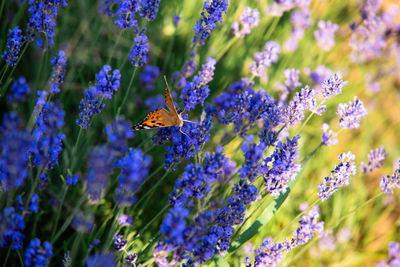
34 184
115 45
74 148
69 219
21 262
226 48
151 221
358 207
127 93
75 246
7 255
149 192
41 65
1 12
4 89
4 72
65 189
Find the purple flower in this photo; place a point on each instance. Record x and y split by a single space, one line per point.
118 132
83 222
71 180
248 20
19 90
124 220
176 20
119 242
281 167
339 176
320 74
292 77
375 160
309 226
40 101
351 114
184 145
333 86
301 20
268 254
196 91
179 78
325 34
253 154
207 72
47 139
243 107
211 14
13 46
42 19
106 83
35 255
174 225
100 163
303 100
140 49
104 87
149 9
14 158
11 226
90 105
134 171
126 13
389 182
57 76
131 258
368 39
262 60
393 257
328 136
105 7
67 261
101 259
148 77
33 204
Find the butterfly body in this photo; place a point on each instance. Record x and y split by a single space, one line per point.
161 117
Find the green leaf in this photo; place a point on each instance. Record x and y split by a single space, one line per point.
220 261
261 220
271 209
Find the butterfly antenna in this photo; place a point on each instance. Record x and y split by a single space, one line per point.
180 129
166 82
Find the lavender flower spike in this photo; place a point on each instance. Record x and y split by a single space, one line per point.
210 16
138 55
375 160
339 176
249 19
328 136
13 46
332 86
351 114
389 183
325 34
264 59
57 77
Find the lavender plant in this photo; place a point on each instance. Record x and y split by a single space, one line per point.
270 96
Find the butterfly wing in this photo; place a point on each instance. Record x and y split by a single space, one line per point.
172 110
158 118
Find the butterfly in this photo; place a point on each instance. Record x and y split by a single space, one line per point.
162 117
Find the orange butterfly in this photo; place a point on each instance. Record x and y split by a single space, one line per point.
162 117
